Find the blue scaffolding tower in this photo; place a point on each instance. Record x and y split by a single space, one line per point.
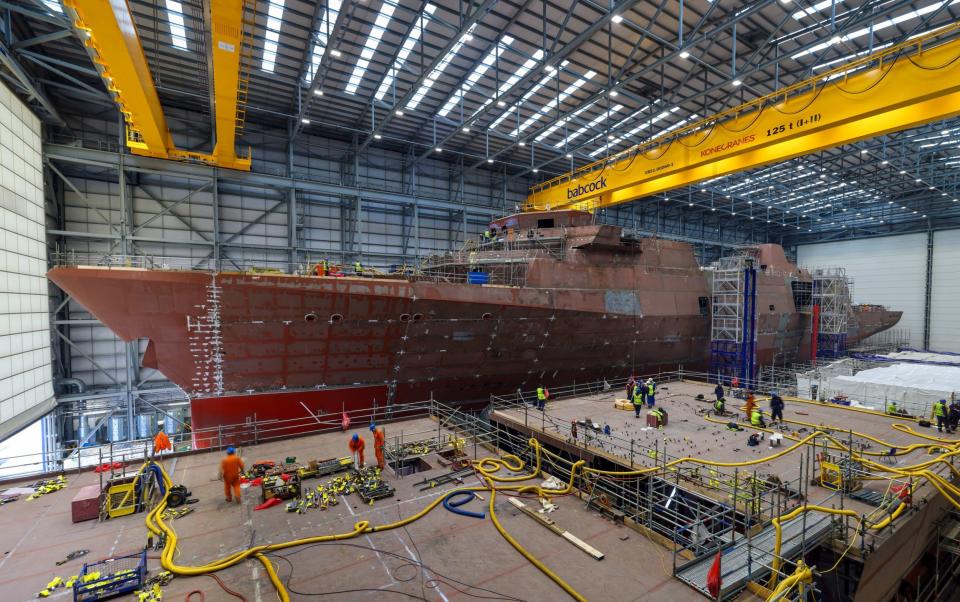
733 344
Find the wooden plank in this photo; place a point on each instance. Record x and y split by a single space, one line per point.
550 524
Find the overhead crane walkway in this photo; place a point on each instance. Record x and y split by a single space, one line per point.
749 560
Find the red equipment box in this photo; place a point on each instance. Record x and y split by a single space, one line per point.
86 504
652 420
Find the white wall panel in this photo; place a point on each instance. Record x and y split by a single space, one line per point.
25 374
945 293
888 271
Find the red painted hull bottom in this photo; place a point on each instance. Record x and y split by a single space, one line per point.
228 419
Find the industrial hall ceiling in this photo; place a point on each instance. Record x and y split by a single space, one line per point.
535 88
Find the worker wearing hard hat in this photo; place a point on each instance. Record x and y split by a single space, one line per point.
378 442
650 389
356 448
230 468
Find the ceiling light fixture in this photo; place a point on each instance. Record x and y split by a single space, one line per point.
617 19
684 55
305 121
737 82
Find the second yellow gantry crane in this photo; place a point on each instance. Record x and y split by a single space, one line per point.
903 86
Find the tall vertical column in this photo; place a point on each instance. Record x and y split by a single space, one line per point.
928 290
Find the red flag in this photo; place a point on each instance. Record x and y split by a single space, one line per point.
714 583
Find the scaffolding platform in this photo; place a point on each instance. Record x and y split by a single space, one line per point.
734 564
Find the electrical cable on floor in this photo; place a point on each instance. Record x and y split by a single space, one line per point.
404 562
488 467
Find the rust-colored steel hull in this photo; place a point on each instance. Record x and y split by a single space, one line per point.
282 347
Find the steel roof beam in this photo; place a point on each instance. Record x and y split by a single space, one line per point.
344 16
474 18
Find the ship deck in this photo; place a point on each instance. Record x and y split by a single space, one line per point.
690 433
34 535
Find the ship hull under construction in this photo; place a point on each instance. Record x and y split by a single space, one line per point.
253 347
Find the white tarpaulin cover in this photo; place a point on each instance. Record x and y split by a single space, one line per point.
924 356
915 387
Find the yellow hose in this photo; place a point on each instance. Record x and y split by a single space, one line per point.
906 429
802 574
530 557
281 590
488 467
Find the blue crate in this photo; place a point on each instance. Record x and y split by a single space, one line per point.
117 576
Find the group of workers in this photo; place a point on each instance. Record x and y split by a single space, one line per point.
642 393
947 415
357 446
753 410
232 467
327 268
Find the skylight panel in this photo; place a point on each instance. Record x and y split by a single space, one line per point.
478 72
554 103
513 79
439 69
323 33
884 24
559 124
596 121
812 10
370 47
543 82
405 50
272 36
54 5
178 31
635 130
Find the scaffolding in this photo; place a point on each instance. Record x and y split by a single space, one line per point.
831 293
733 330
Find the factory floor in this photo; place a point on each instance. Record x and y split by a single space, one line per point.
460 557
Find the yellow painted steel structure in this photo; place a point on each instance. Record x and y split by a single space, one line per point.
229 85
110 35
903 86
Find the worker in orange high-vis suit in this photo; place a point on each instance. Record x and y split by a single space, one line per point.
356 448
161 442
378 442
230 468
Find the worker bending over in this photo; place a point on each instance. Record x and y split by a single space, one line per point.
230 469
776 407
161 442
661 415
356 448
756 418
720 406
953 418
378 441
940 412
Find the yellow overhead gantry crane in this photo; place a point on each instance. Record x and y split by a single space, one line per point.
110 35
903 86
